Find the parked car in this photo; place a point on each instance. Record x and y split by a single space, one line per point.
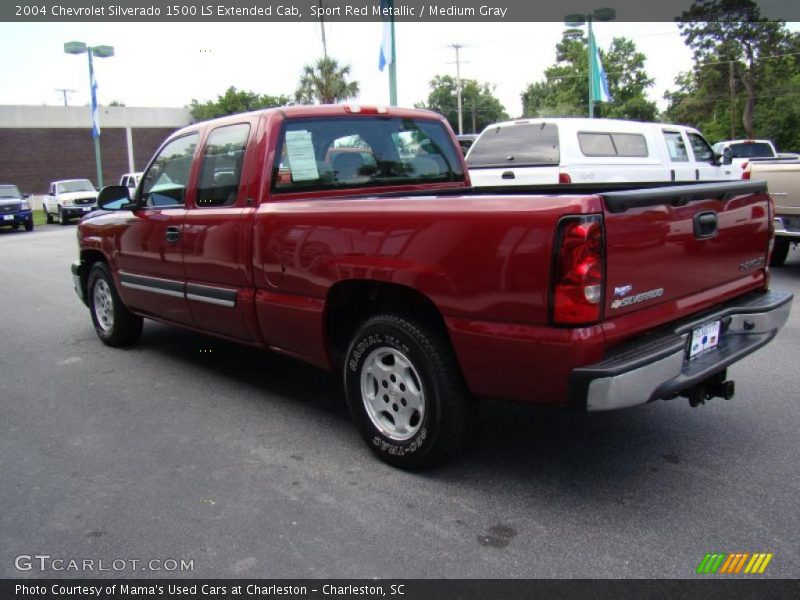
425 294
591 151
15 208
69 198
130 180
465 140
783 181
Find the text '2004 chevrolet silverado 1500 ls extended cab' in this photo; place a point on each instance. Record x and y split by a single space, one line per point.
349 237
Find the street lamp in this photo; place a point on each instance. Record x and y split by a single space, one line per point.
99 52
576 20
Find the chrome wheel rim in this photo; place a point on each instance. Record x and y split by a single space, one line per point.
103 305
392 392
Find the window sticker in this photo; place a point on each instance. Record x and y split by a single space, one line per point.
302 161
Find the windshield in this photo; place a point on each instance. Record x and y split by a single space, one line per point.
754 150
9 191
81 185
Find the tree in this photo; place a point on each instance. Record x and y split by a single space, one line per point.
325 82
234 101
116 103
479 106
732 34
565 90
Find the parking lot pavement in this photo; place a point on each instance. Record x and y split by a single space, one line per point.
186 447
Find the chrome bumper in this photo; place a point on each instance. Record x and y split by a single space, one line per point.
782 231
658 366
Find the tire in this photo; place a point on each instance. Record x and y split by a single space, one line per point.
114 323
48 218
780 252
405 392
61 219
29 224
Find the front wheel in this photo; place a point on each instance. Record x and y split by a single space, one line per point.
779 252
114 323
61 217
405 392
29 224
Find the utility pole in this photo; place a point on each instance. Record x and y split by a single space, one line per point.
322 27
732 83
457 48
65 91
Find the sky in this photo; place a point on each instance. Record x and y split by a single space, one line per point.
169 64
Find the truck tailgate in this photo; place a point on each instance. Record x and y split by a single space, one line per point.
664 244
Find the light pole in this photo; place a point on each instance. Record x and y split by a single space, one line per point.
99 52
576 20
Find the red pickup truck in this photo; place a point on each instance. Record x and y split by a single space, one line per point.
350 238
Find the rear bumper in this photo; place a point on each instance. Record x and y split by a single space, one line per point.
785 227
657 366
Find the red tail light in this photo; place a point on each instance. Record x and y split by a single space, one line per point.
564 178
579 271
745 170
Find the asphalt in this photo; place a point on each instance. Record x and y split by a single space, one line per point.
246 463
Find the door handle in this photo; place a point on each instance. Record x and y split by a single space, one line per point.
173 234
705 225
508 175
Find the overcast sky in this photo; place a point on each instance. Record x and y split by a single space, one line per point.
167 64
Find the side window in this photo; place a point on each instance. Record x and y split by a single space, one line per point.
702 151
221 169
596 144
165 182
676 147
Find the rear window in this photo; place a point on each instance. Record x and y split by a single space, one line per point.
516 145
612 144
754 150
318 154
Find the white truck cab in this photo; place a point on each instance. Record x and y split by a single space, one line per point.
130 180
544 151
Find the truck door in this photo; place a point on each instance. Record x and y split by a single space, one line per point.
705 162
150 259
679 167
217 231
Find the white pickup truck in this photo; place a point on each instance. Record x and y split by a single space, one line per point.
783 182
69 198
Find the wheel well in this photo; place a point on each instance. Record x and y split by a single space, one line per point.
350 303
88 258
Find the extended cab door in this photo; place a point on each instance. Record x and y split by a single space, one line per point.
217 232
680 166
150 257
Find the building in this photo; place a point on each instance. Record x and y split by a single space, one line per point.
40 144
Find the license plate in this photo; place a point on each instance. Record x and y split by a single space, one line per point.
87 208
704 338
8 217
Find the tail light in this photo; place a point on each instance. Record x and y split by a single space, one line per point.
745 170
564 178
578 271
771 243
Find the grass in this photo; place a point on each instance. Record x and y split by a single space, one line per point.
38 217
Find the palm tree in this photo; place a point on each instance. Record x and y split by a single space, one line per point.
325 82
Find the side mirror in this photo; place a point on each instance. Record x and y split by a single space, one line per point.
26 196
727 156
114 197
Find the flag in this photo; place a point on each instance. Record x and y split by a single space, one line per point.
385 55
95 110
599 91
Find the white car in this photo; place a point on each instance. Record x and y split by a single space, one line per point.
547 151
131 180
69 198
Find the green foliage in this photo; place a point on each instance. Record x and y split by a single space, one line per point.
479 106
234 101
565 90
745 79
325 82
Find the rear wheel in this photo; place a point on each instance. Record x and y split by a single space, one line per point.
405 392
114 323
780 252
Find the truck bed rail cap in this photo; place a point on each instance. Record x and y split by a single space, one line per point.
679 195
